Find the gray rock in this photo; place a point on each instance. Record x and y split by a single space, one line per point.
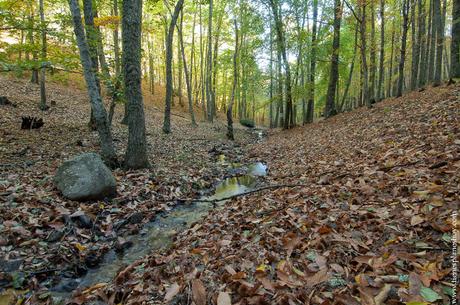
85 177
10 265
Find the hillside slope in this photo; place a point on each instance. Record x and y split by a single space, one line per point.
372 223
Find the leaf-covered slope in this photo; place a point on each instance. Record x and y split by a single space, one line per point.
373 226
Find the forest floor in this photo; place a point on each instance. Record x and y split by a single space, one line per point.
369 222
373 223
42 233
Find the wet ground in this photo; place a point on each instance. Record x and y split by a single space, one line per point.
158 234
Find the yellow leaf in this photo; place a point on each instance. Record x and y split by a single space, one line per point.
80 247
261 268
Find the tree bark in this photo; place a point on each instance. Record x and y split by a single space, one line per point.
421 41
311 97
405 27
439 29
100 115
230 134
380 90
288 118
455 45
43 105
169 76
334 73
187 75
136 152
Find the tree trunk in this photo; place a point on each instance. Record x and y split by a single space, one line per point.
366 100
455 45
415 50
421 41
103 128
405 27
350 75
380 90
439 29
91 38
311 97
432 42
187 75
169 76
43 105
372 55
136 152
288 118
334 74
230 135
209 67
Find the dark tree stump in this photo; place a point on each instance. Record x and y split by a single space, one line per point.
31 122
4 101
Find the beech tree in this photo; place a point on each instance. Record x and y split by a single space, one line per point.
97 107
136 152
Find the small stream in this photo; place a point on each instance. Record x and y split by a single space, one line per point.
159 233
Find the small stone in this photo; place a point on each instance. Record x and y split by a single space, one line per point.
55 236
10 265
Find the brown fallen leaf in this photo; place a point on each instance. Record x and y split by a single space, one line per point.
171 292
224 298
199 292
416 220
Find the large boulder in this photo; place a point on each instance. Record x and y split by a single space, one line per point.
85 177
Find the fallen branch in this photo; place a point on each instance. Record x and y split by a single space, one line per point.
268 187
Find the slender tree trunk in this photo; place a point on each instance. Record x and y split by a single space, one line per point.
366 100
405 27
169 76
415 50
390 70
43 105
455 45
187 75
288 119
91 38
334 73
100 115
136 152
372 55
350 75
34 77
439 29
380 90
230 134
202 82
179 68
432 42
271 77
311 97
209 66
421 41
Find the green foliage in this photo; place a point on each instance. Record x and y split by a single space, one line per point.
248 123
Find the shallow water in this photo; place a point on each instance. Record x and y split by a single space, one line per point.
159 233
